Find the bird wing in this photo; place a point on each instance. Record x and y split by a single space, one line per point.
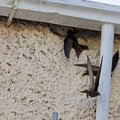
98 76
83 47
91 74
67 46
86 73
115 60
81 65
94 67
77 53
79 47
76 47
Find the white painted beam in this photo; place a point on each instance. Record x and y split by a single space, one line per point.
107 38
75 13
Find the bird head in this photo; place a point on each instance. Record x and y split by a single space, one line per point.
69 32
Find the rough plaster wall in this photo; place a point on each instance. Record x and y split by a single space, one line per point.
36 79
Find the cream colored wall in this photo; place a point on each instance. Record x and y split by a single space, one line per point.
36 79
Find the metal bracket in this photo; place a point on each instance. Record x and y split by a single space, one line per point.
12 13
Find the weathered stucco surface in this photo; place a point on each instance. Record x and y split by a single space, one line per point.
36 79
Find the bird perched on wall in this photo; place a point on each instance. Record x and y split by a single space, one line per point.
92 91
96 68
71 42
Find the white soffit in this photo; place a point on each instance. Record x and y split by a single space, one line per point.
76 13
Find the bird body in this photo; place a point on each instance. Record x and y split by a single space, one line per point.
92 91
71 42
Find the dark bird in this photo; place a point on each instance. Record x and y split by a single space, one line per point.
92 91
71 42
96 68
115 60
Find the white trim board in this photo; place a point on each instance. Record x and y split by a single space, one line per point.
74 13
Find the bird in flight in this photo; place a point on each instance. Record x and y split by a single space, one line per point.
92 91
96 68
71 42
